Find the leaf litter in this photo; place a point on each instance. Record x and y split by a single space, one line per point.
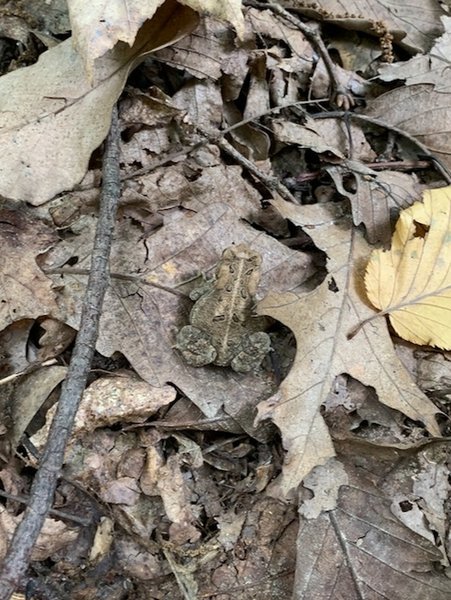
186 470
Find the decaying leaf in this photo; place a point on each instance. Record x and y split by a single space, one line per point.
375 196
374 554
29 395
111 400
55 535
412 282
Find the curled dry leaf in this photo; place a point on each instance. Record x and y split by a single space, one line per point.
98 27
412 282
108 401
29 396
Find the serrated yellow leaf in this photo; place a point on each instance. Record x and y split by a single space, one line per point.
411 282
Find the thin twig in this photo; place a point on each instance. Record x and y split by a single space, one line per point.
44 484
119 276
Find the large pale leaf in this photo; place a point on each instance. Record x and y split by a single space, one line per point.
321 322
412 282
361 551
52 117
141 321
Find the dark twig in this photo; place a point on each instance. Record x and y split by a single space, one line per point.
44 484
339 96
272 183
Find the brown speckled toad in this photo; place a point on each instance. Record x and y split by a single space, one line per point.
222 330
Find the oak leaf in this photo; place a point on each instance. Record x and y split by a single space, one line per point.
321 321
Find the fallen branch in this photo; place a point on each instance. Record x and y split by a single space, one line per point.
45 481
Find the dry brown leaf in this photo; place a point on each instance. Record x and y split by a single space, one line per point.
52 117
215 43
375 197
103 540
419 110
269 25
432 67
363 15
120 399
14 346
356 50
56 338
288 72
25 291
169 482
155 113
348 80
374 554
203 100
253 143
321 322
55 535
308 135
229 11
28 397
412 281
99 26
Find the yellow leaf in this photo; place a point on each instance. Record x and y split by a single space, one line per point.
412 281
